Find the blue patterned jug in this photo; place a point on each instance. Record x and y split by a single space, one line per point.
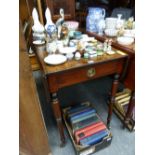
95 14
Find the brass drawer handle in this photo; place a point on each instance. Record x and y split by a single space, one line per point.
91 72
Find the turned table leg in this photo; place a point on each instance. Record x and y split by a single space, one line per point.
130 109
112 99
58 117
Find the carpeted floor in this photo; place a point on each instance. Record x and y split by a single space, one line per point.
95 92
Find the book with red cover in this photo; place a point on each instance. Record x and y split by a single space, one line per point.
85 129
89 132
95 138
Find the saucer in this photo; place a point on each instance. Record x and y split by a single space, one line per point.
55 59
38 42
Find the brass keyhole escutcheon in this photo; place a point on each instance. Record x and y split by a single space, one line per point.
91 72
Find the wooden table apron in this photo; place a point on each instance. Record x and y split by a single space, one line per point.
55 80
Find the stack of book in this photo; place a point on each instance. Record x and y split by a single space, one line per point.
122 100
87 128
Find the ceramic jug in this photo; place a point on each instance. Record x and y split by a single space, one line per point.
50 26
37 27
93 17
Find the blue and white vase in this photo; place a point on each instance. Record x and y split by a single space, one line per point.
95 14
50 27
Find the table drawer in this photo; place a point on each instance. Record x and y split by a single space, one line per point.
78 75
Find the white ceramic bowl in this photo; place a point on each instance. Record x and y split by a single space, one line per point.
72 25
110 23
125 40
111 32
66 50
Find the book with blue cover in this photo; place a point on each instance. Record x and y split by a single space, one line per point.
82 115
83 118
76 108
85 123
79 112
95 138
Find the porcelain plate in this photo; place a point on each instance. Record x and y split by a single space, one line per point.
55 59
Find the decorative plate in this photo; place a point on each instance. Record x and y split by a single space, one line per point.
55 59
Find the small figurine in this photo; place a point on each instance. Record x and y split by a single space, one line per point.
109 49
64 32
59 22
105 44
109 45
120 31
129 23
77 56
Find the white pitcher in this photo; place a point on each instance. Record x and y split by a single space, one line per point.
37 27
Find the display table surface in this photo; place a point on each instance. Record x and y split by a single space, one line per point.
76 71
126 48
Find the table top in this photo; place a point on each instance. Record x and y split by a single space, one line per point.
126 48
73 64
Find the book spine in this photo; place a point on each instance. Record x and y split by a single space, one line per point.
76 109
78 116
79 112
90 132
83 118
88 128
94 138
85 123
